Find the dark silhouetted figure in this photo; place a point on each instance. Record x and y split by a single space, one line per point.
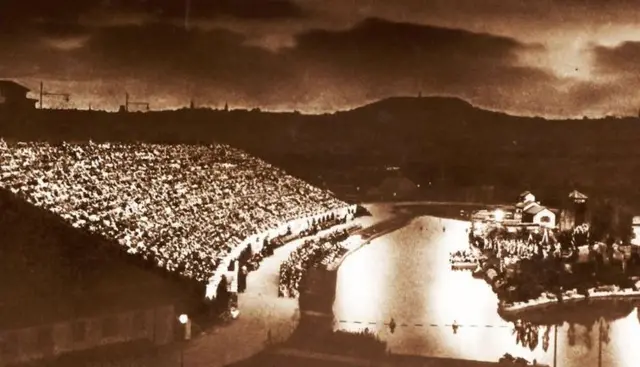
455 327
392 325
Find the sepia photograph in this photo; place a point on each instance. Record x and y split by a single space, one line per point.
319 183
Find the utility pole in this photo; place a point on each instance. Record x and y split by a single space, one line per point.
44 93
555 345
186 14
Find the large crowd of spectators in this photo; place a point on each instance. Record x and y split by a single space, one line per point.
184 207
512 247
513 250
466 257
321 250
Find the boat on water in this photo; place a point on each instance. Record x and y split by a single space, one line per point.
509 360
464 265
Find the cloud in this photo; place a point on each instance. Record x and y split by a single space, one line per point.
620 60
243 9
13 14
321 70
379 58
491 15
246 9
616 76
387 49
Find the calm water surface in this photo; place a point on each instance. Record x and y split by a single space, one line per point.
406 275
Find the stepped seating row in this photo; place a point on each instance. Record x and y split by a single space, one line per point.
184 207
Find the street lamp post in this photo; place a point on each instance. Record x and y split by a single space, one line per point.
186 334
555 345
498 215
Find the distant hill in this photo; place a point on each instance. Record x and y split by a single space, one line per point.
437 141
414 104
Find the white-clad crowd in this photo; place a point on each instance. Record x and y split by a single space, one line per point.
464 256
315 251
182 206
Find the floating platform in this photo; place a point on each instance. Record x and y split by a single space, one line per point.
464 266
546 302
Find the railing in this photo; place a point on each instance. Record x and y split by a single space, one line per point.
296 226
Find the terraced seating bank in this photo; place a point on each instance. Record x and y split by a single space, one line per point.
190 209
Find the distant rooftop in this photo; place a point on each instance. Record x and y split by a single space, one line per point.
10 84
535 209
575 194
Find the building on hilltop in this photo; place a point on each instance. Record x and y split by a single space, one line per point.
66 293
579 203
13 97
526 213
635 226
574 212
526 198
529 211
539 215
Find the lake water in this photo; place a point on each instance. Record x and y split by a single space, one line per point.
405 275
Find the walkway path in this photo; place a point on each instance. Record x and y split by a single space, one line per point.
261 311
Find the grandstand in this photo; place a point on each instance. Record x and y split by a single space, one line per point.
186 209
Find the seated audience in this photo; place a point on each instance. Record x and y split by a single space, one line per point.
184 207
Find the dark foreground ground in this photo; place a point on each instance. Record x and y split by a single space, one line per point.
296 358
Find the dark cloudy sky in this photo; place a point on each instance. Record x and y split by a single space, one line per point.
544 57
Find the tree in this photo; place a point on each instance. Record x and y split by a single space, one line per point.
611 219
601 221
522 234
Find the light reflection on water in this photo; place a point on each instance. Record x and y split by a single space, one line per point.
405 275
